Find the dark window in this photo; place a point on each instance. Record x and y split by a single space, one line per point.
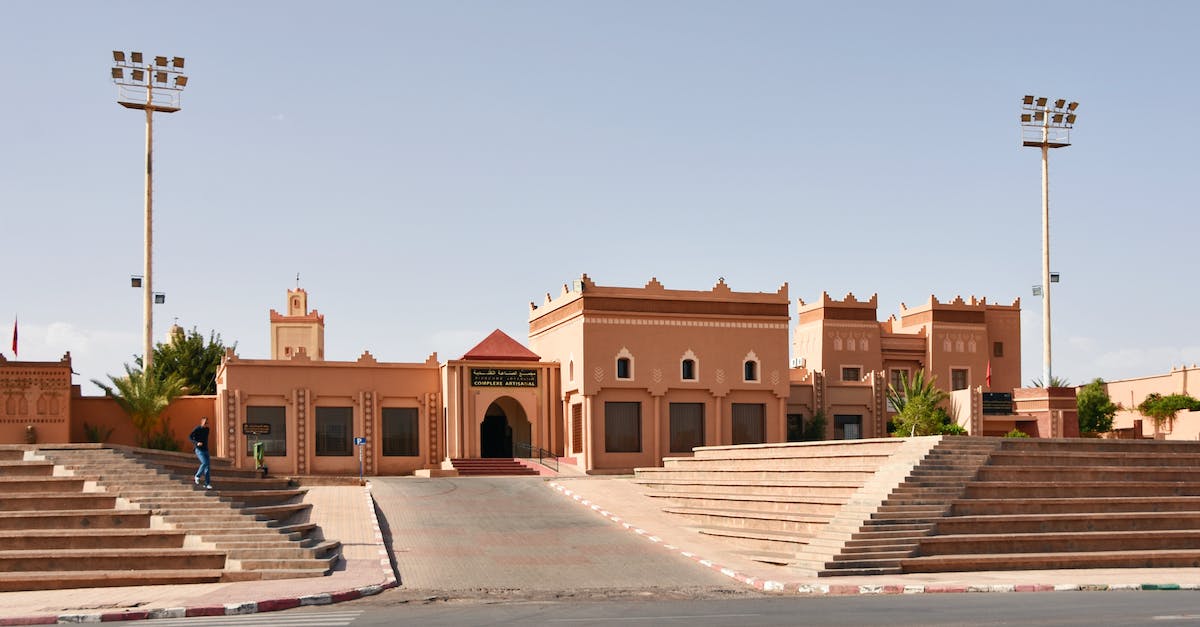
847 427
896 378
622 427
275 443
624 368
687 370
749 423
750 370
333 430
997 349
687 426
401 433
795 427
958 378
851 374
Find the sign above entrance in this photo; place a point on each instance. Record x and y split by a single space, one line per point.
256 428
504 378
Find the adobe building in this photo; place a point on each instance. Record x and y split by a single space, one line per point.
1129 393
844 359
613 378
651 372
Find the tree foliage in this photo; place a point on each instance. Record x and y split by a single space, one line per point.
1055 382
145 397
813 428
919 405
1096 409
1162 409
192 358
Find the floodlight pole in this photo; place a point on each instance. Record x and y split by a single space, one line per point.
1046 251
147 257
143 75
1037 120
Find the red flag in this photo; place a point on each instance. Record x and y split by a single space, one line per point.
989 374
14 336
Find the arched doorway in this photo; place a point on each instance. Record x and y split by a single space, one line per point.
504 426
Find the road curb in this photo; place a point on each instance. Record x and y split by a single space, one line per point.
811 589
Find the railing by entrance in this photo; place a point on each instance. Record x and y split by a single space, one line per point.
540 455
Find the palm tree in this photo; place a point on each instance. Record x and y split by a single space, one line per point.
918 403
1055 382
144 397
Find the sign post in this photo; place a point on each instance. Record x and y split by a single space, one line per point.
359 442
256 429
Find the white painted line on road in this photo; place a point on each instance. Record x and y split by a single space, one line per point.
1176 617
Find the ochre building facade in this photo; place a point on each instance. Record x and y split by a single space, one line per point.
612 378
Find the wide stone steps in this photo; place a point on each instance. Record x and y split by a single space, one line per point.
263 544
1088 473
1070 458
751 502
22 468
852 481
110 559
1074 541
491 466
58 580
61 539
984 507
758 541
57 501
1176 558
1054 489
76 519
46 485
837 493
1074 522
761 521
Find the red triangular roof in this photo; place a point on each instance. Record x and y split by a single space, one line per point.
500 347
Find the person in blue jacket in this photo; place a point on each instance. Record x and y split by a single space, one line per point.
199 438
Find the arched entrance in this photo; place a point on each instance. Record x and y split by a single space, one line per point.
504 426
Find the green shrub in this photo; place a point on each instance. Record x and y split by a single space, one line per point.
1016 433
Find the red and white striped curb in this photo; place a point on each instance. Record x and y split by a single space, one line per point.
232 609
769 585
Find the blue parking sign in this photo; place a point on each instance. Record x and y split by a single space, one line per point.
359 441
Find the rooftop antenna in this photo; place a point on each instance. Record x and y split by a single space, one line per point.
297 280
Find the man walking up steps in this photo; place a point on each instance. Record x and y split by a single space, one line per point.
199 438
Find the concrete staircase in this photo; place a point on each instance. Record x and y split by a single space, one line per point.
260 524
492 467
885 522
59 531
770 500
942 504
1072 504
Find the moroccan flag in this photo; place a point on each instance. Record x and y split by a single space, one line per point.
14 336
989 375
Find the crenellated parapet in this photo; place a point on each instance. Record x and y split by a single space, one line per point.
721 299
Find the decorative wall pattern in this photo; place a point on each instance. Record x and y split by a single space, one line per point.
717 324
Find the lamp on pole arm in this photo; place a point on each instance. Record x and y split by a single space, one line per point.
1046 125
149 85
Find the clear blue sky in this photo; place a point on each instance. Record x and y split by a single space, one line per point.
430 168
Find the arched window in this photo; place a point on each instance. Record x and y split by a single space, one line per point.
750 371
624 364
687 370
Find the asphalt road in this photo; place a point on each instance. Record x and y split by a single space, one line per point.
1050 608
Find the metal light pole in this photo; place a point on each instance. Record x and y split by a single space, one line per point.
149 86
1045 125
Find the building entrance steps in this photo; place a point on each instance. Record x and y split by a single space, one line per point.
14 468
492 466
